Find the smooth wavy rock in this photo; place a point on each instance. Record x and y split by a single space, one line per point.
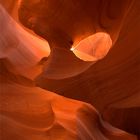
28 112
21 49
64 23
31 113
114 79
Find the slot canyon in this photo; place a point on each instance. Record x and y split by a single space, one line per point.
69 70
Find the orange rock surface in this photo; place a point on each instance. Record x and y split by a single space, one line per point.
40 73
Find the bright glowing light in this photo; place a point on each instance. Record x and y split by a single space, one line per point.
94 47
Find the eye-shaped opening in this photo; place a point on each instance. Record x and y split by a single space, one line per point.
94 47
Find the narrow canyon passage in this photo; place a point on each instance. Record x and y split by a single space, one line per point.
52 87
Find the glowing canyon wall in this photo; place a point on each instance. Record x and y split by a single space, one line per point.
69 70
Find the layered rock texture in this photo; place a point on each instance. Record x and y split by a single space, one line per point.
69 70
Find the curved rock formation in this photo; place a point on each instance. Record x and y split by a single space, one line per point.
15 42
64 23
30 113
112 85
